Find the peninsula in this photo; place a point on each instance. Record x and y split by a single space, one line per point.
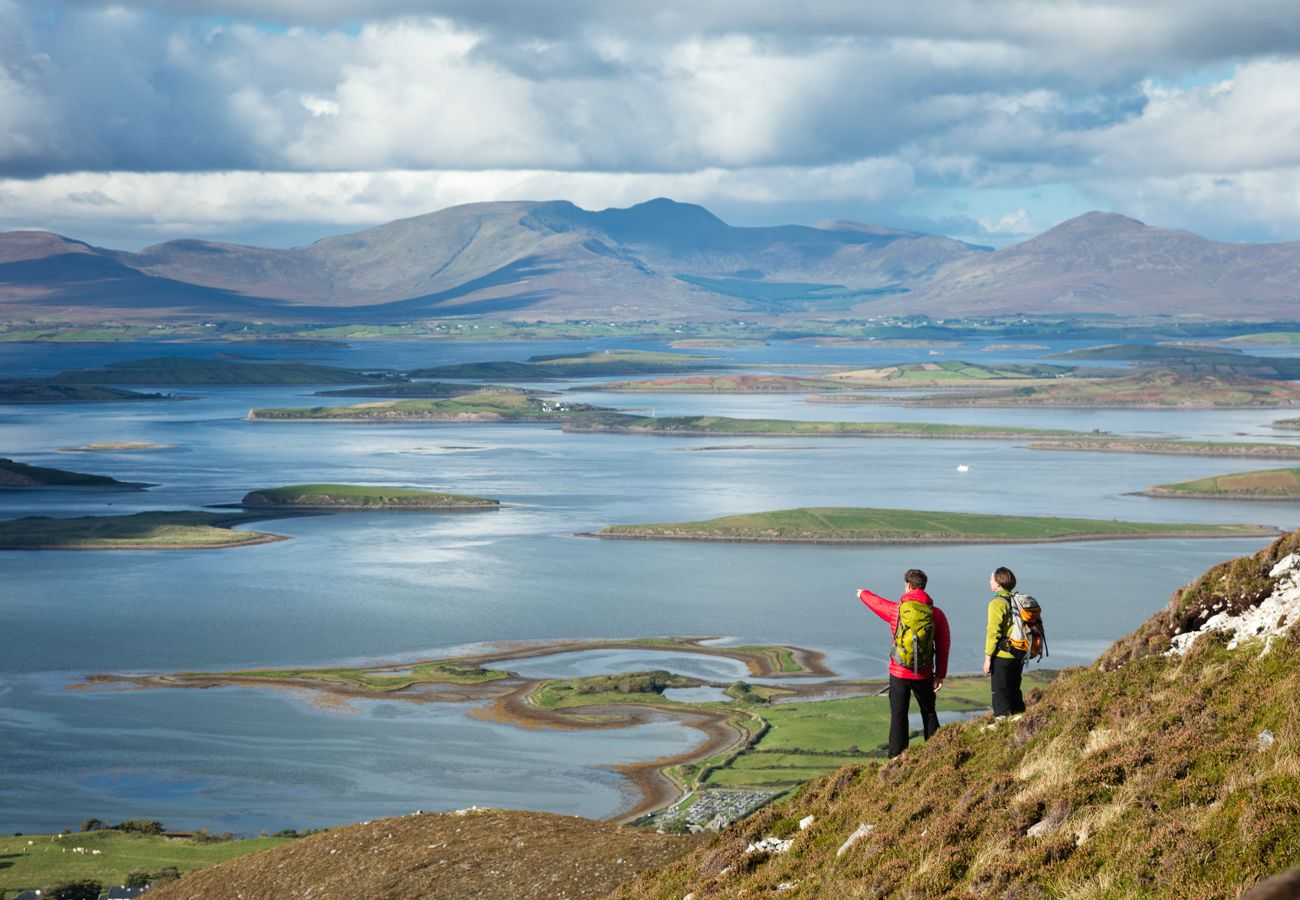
720 384
46 392
21 477
1168 447
360 496
1287 424
1269 484
172 530
185 370
606 363
1158 389
429 390
849 525
717 425
950 373
118 447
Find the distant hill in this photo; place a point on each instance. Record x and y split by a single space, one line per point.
656 260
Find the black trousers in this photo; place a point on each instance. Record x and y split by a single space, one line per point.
900 698
1007 698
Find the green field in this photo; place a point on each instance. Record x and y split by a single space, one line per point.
448 671
20 475
585 365
425 390
181 370
44 392
602 690
470 408
36 861
362 496
951 373
721 384
704 425
811 738
142 531
1270 484
849 525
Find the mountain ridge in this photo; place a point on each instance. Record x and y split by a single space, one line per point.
659 260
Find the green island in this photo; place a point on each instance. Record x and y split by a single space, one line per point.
717 344
949 373
1168 447
360 496
1270 484
851 525
428 390
1158 389
182 370
469 408
1287 424
171 530
1265 338
721 384
707 425
1187 358
118 447
583 365
116 856
20 476
46 392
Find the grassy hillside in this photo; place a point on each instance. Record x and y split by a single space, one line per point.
850 525
34 861
1145 776
1271 484
361 496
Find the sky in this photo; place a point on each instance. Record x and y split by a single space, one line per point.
278 122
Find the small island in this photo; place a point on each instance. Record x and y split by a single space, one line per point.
720 384
954 373
171 530
1287 424
429 390
1168 447
848 525
118 447
718 425
360 496
1270 484
16 476
600 364
46 392
1157 389
470 408
186 370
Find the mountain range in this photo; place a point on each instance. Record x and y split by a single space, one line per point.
657 260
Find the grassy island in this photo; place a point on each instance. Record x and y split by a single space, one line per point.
427 390
584 365
950 373
471 408
184 370
142 531
118 447
1103 444
20 476
1287 424
1146 390
45 392
1270 484
848 525
717 425
721 384
360 496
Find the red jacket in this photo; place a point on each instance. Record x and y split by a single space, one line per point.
888 610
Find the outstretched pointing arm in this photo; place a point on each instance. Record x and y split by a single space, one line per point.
886 609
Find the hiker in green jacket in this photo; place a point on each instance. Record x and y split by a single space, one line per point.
1001 661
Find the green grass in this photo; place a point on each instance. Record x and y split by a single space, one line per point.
602 690
377 680
44 392
948 372
45 862
40 476
859 525
368 496
142 531
692 425
1267 484
474 407
180 370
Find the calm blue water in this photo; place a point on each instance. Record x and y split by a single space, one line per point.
385 586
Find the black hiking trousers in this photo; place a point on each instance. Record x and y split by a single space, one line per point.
900 699
1007 698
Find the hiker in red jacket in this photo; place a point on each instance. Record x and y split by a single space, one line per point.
918 663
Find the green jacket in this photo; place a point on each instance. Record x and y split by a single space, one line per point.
999 624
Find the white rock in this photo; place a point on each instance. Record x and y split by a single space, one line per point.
1264 740
787 885
805 822
769 845
863 830
1270 617
1285 565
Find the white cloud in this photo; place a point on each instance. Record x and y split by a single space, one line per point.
1017 223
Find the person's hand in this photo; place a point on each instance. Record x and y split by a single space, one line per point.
988 664
938 686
